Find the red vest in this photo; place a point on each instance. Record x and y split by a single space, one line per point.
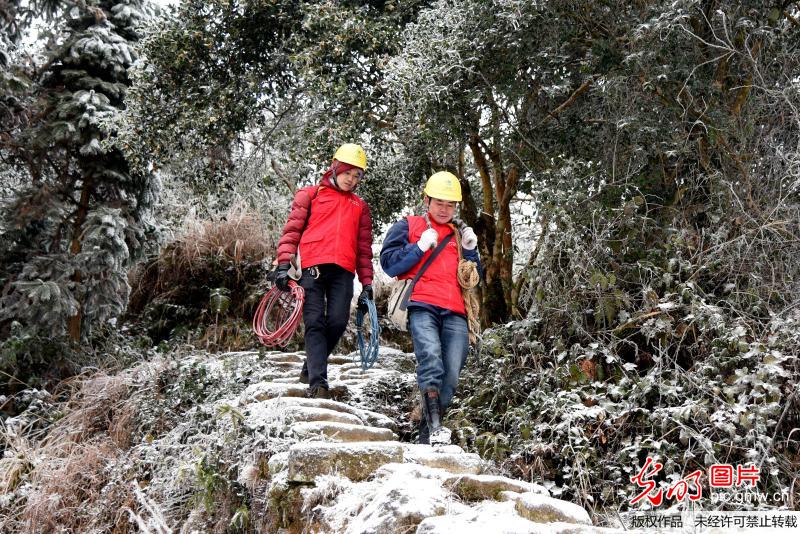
438 285
332 232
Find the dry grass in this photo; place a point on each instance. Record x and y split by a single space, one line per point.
227 336
240 236
69 472
19 458
96 407
66 482
173 289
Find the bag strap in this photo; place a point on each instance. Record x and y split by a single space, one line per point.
410 289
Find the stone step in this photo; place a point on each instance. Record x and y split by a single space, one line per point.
366 416
293 378
342 432
288 365
451 458
285 357
356 461
397 499
271 390
491 516
358 373
545 509
338 359
484 518
481 487
313 413
281 416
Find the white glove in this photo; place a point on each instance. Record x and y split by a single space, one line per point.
428 239
468 238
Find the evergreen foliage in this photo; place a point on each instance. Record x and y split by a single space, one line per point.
79 217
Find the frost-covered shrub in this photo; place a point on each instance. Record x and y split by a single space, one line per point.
583 419
214 272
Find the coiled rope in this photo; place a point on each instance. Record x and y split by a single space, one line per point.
368 351
468 278
278 315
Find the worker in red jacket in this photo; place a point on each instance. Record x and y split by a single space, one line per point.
330 230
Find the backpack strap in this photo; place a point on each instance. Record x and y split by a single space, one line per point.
308 213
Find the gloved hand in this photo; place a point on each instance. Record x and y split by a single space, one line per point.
468 238
366 294
428 239
282 277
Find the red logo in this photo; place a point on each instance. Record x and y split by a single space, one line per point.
719 476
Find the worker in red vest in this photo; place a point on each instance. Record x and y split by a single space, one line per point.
330 230
436 312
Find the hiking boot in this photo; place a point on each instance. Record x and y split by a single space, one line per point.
439 435
304 376
319 392
423 436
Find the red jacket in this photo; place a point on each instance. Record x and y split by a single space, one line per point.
339 230
438 285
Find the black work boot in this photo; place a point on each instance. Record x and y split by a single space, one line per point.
423 436
439 435
319 392
304 375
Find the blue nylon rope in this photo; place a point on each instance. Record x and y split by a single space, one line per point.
368 351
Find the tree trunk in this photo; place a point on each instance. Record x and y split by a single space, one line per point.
495 301
524 276
74 325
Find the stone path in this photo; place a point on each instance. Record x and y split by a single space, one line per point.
346 472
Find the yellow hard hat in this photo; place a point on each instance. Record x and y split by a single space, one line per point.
444 186
352 154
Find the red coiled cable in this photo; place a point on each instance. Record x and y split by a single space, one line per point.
278 315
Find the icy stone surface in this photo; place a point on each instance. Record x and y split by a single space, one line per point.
396 500
451 458
485 518
356 461
366 416
545 509
312 413
481 487
270 390
341 431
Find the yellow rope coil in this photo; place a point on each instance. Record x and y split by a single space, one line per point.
468 279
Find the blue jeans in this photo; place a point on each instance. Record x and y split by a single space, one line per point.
441 342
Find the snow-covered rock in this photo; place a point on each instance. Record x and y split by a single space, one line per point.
341 431
356 461
451 458
488 517
270 390
480 487
545 509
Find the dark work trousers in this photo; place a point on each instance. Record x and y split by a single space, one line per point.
326 311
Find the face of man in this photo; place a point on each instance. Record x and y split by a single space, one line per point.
442 211
348 180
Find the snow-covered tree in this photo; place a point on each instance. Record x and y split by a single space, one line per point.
297 78
79 219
